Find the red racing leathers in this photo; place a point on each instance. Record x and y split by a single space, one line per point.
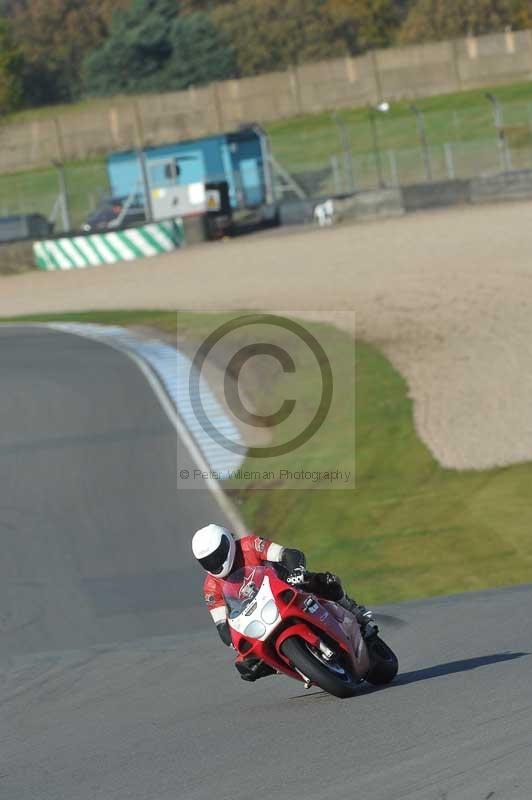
251 551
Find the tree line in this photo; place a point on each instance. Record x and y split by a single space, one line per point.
58 51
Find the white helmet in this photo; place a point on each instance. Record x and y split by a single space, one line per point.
215 548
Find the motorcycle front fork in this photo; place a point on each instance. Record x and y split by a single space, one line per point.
327 654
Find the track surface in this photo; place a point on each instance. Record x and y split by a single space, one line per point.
94 539
95 549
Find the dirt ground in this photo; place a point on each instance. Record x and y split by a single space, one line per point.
446 295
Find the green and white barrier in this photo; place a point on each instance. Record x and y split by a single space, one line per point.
77 252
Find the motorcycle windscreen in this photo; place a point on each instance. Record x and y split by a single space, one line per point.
241 588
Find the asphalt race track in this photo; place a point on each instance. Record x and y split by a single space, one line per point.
94 538
113 683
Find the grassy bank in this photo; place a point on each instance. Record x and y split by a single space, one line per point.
410 528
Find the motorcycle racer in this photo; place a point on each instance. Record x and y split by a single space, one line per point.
220 555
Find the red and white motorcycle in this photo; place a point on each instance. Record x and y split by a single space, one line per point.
303 636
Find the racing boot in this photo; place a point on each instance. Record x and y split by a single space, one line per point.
364 617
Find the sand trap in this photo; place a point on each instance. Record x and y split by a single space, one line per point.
446 295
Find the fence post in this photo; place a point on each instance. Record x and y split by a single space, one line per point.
146 185
335 167
392 158
348 158
376 145
423 141
498 121
63 194
269 182
449 160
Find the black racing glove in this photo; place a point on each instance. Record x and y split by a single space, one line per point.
292 559
325 584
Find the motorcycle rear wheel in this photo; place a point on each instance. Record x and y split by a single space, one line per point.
332 678
384 664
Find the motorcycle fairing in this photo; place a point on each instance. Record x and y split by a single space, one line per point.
299 614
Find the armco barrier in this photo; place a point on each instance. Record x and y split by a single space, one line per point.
516 185
506 186
296 212
419 196
370 205
360 206
77 252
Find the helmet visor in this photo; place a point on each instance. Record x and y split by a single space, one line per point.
214 562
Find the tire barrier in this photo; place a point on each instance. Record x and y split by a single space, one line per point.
78 252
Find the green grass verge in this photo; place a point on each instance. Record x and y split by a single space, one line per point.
410 529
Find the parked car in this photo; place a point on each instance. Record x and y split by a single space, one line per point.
24 226
114 213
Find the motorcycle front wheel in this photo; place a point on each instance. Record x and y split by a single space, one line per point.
384 664
331 676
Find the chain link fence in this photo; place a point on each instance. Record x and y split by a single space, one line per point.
349 152
324 155
63 195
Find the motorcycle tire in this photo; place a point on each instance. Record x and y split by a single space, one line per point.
332 678
384 664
